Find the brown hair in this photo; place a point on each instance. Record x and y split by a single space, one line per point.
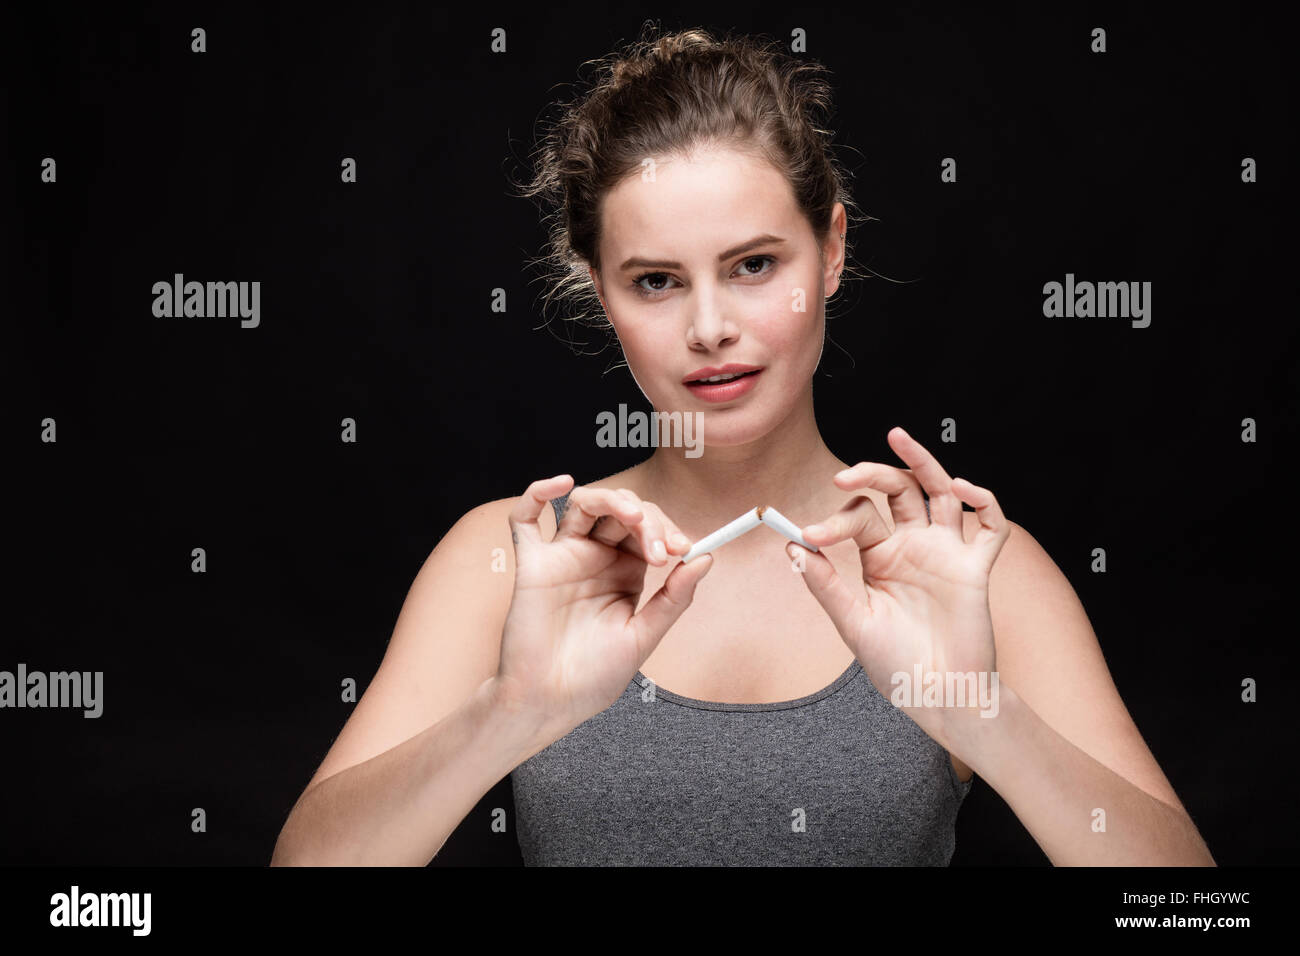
663 95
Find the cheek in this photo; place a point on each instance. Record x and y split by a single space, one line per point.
645 349
645 345
790 325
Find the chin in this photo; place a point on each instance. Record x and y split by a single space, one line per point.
735 426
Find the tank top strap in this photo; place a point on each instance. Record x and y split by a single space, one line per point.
560 504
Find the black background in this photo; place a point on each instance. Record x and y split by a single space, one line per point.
222 689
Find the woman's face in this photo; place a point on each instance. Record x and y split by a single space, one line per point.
708 262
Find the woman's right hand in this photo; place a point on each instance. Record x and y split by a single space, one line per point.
573 638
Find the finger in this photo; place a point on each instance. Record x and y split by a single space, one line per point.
858 520
615 514
618 518
906 503
945 507
652 622
523 514
994 528
845 602
676 540
649 534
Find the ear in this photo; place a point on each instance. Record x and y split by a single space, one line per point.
833 249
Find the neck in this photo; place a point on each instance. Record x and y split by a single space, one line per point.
789 469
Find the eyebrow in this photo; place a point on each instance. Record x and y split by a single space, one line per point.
723 257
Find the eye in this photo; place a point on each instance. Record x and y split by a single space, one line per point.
746 262
662 277
642 290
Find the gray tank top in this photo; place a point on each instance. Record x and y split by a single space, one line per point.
839 777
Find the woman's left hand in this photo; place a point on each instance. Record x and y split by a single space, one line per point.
923 599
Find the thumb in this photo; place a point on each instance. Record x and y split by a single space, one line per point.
652 622
843 604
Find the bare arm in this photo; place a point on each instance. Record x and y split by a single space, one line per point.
429 736
985 599
487 668
1063 751
400 807
1080 812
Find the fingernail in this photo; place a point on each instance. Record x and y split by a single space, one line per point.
658 550
681 542
843 474
814 529
792 550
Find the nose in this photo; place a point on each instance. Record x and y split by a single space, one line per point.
710 328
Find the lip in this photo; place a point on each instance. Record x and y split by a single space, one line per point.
728 369
725 391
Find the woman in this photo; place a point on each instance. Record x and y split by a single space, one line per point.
739 708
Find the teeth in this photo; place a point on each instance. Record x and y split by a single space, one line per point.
723 378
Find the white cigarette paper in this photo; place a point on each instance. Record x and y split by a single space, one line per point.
743 525
774 519
728 532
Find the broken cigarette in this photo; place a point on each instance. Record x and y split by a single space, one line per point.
728 532
743 525
774 519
